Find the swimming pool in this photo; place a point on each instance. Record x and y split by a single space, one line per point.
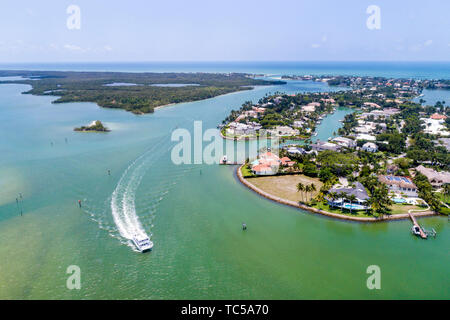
399 200
353 206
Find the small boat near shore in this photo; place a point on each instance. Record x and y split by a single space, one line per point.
415 230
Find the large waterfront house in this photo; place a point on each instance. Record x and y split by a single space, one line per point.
435 125
385 113
437 179
367 137
237 128
323 145
267 164
370 147
344 142
402 186
356 189
296 151
283 131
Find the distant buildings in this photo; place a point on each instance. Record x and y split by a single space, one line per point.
386 113
310 107
399 185
437 179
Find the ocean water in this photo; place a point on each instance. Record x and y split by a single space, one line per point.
192 212
430 70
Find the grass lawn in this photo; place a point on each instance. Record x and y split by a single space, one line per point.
403 208
326 207
286 186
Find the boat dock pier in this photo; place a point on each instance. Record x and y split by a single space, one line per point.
225 161
233 163
423 232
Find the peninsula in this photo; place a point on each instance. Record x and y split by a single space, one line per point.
139 93
389 159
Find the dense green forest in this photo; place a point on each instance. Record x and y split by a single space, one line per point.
139 97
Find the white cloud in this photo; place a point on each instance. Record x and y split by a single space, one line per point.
72 47
428 43
315 45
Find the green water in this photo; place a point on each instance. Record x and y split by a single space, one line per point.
194 213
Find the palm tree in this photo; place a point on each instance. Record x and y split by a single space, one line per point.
343 196
313 187
307 189
351 198
333 196
301 188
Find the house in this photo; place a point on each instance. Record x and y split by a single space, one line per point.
373 105
296 150
284 131
308 108
344 142
267 164
437 179
367 137
298 124
356 189
435 126
391 169
286 162
437 116
322 146
264 170
386 113
237 128
370 147
399 185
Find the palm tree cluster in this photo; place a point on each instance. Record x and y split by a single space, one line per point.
345 197
308 188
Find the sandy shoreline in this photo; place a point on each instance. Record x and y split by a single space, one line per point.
269 196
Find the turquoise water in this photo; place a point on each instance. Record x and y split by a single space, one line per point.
431 70
433 96
193 213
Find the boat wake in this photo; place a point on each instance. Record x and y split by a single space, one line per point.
123 207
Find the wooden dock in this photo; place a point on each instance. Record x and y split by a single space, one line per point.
423 235
231 163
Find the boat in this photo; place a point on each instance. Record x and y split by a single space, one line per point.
142 242
224 160
416 230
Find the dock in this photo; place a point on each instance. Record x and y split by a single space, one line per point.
423 235
231 163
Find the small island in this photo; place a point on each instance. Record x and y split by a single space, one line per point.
95 126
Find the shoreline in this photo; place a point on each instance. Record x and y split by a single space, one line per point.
220 95
294 204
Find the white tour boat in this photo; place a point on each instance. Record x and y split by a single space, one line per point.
142 242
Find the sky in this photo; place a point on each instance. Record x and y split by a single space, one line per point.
245 30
